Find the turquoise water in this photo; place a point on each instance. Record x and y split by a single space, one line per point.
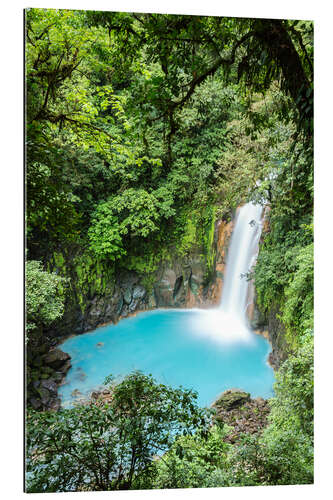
203 350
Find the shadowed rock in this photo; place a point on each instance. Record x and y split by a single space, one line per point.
56 358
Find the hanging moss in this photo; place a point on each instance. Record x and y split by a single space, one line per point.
209 218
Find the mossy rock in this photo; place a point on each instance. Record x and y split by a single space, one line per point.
47 369
58 377
35 375
37 362
35 403
232 398
42 349
56 358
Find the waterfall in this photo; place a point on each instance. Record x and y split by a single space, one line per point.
242 253
228 324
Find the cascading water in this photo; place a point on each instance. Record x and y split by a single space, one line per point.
242 252
228 323
207 350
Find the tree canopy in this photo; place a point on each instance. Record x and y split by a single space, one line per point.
124 103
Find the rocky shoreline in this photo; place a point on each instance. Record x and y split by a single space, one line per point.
53 368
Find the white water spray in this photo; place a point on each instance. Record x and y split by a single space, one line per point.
228 323
242 253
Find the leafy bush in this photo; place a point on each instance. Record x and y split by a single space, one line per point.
45 294
111 446
198 461
284 277
298 308
134 212
284 453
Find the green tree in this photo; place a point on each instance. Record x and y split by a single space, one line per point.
134 212
284 453
298 309
110 446
45 294
198 461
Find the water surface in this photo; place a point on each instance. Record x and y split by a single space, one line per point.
205 350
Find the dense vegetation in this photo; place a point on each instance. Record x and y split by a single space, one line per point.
141 130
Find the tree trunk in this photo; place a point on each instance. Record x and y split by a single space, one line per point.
273 35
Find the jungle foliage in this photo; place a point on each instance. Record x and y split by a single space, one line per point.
141 130
45 293
149 113
110 446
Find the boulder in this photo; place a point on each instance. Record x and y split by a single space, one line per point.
248 418
232 398
56 358
54 404
50 385
35 403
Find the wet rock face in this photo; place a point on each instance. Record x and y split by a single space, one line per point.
164 288
257 320
181 282
223 232
270 326
276 334
127 296
196 278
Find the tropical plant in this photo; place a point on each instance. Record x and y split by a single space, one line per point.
113 445
45 294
